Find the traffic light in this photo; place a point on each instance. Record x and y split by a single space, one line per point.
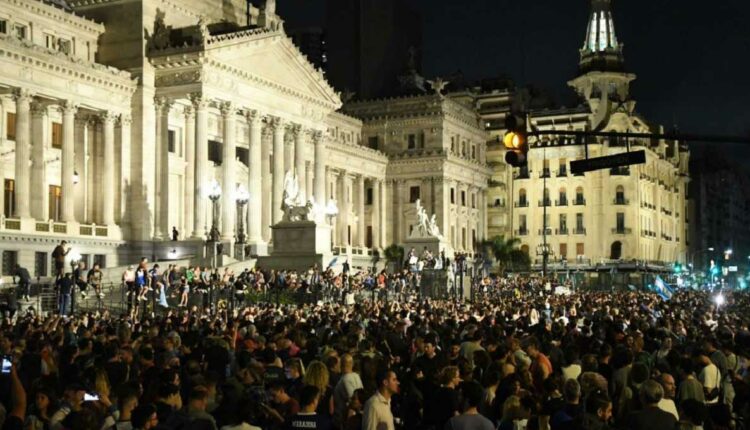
516 140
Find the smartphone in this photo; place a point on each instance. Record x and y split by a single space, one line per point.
90 397
7 364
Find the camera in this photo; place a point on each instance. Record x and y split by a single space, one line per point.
90 397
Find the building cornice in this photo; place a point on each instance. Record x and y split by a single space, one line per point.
28 53
39 8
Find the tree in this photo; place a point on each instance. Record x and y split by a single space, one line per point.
394 254
507 254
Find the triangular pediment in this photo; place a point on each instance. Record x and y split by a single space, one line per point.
276 62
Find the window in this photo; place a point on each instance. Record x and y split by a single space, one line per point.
10 259
65 46
372 142
171 141
522 227
10 198
368 198
545 199
215 152
57 135
579 249
562 169
473 201
85 259
4 26
20 31
463 198
101 260
579 222
463 236
453 196
412 141
414 194
522 202
368 237
563 220
10 121
562 197
620 222
55 202
40 264
242 154
579 196
620 195
49 41
473 152
564 251
545 169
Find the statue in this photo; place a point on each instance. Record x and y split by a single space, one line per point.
432 227
426 226
294 207
438 85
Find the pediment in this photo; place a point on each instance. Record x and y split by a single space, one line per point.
278 63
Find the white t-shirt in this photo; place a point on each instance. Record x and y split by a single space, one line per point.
711 378
667 405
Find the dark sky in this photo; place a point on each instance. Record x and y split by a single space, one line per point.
691 57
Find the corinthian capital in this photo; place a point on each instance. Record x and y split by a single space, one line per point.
199 100
276 123
226 108
107 117
22 94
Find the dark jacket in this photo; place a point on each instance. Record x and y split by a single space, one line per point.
651 418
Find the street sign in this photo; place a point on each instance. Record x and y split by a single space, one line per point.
607 162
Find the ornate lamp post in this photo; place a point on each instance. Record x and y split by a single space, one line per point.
214 194
241 196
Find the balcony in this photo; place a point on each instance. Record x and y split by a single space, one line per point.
561 231
522 232
545 173
621 201
579 230
545 202
622 230
521 204
562 172
619 171
562 202
579 201
545 231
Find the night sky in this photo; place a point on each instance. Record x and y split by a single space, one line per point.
691 57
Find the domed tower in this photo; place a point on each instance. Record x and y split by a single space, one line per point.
602 78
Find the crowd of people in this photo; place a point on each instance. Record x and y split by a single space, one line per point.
518 357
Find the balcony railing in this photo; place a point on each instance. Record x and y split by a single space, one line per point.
521 204
544 173
622 230
562 172
547 231
579 201
579 230
545 202
561 231
562 202
522 232
621 201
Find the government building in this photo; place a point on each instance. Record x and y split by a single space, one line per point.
631 218
127 124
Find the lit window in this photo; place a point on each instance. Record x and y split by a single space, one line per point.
592 35
602 32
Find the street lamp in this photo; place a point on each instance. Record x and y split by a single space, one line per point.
728 253
214 194
241 196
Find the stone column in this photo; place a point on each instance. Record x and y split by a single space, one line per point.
308 180
3 134
108 172
126 182
229 159
468 219
320 168
80 144
299 161
375 214
278 169
343 217
361 211
254 185
266 181
382 213
200 104
23 139
39 192
289 138
189 195
161 219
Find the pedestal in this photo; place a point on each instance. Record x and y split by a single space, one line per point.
435 245
298 245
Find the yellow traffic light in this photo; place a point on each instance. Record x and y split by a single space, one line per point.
513 140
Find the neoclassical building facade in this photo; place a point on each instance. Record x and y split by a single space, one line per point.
118 117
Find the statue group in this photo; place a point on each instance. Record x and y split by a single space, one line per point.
426 225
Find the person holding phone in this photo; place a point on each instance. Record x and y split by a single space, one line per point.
15 418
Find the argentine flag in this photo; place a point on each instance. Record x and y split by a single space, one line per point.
662 289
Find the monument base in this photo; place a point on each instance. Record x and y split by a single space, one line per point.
435 245
298 245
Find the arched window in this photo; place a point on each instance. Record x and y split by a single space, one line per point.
620 195
580 200
615 251
562 197
525 249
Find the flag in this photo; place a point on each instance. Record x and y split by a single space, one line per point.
662 289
